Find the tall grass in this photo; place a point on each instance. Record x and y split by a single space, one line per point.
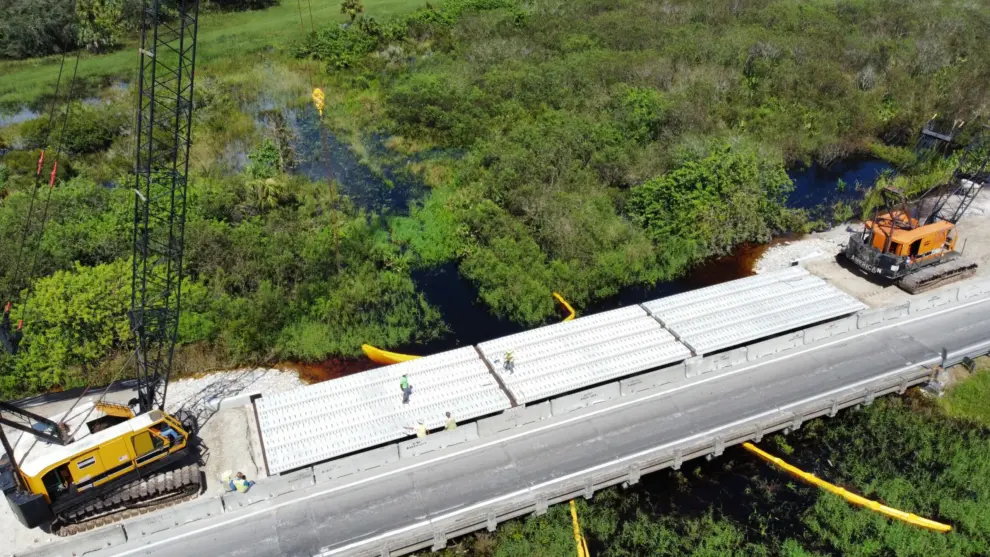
221 37
970 399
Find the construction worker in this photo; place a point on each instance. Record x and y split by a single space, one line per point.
420 428
451 423
241 483
169 433
509 362
406 388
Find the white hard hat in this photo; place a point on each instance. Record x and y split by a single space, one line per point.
421 420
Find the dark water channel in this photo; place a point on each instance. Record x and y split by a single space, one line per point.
384 190
817 186
469 321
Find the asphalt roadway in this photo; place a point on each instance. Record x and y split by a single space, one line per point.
334 518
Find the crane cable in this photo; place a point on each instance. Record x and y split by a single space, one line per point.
51 184
26 231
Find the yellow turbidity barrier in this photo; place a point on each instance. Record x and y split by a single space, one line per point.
567 306
380 356
385 357
579 541
851 497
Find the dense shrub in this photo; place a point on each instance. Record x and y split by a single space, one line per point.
36 27
716 197
240 5
88 129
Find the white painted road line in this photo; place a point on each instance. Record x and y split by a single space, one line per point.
243 516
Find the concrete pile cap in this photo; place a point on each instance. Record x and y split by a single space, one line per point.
319 422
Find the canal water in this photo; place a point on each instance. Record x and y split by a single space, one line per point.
382 189
389 191
817 187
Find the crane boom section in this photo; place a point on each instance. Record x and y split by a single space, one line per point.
164 122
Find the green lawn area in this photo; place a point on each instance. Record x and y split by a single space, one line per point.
970 399
221 36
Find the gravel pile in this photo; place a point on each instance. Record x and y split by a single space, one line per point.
825 244
193 394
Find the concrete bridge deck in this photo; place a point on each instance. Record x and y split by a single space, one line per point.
320 422
422 501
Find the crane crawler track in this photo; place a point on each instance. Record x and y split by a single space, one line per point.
937 275
142 496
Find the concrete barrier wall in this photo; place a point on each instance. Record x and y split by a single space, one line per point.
829 330
236 501
869 318
584 399
928 302
774 345
896 312
81 544
437 441
287 483
356 463
185 513
701 365
513 418
653 379
973 290
692 366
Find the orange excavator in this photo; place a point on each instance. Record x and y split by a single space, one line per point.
915 244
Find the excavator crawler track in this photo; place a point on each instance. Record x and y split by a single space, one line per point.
937 275
132 499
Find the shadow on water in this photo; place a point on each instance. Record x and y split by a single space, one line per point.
382 191
466 316
817 186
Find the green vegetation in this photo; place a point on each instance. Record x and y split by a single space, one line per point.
905 453
713 201
968 400
223 37
581 147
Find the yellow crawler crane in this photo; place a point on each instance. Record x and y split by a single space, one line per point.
72 473
101 470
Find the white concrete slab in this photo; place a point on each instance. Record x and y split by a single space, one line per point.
569 356
734 313
318 422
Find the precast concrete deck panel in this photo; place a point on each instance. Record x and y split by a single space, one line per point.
567 356
318 422
723 290
495 349
598 371
715 339
737 312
